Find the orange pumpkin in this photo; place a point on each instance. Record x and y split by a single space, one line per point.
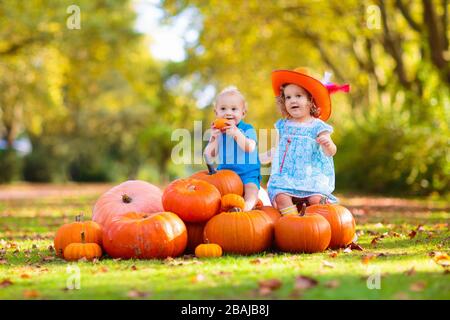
341 221
77 251
145 236
226 181
273 213
302 233
220 123
129 196
191 199
230 201
195 235
240 232
209 250
72 233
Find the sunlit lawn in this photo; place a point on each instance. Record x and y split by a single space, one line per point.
401 264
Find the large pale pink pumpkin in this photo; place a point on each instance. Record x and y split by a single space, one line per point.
129 196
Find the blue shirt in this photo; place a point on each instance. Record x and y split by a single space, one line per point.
232 157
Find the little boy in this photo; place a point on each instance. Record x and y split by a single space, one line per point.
236 144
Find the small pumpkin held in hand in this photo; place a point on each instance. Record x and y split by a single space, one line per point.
341 221
72 233
77 251
302 233
220 123
191 199
208 250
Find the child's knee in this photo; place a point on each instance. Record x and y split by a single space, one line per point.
283 200
314 199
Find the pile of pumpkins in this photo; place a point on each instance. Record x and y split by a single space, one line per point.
203 214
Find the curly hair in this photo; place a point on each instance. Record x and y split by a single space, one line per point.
281 103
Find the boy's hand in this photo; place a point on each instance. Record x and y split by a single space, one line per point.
215 133
231 128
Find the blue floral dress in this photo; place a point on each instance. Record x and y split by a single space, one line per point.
300 168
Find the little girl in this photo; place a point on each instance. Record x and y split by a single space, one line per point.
302 163
236 145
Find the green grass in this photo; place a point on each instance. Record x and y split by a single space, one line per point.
29 270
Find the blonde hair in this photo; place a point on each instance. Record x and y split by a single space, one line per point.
231 90
281 103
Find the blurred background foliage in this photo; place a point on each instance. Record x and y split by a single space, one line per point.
96 106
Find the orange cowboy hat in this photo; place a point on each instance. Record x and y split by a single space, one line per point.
300 76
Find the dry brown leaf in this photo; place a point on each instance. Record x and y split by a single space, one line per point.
269 285
355 246
418 286
410 272
332 284
48 258
367 257
412 234
401 296
31 294
137 294
303 283
50 248
5 283
375 241
256 261
440 226
334 254
442 259
133 267
25 276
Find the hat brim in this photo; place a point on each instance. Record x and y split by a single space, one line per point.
313 86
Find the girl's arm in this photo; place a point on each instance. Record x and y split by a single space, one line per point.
267 156
327 144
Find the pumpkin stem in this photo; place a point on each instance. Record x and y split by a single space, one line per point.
235 209
191 187
303 211
79 218
323 200
83 237
126 198
210 167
